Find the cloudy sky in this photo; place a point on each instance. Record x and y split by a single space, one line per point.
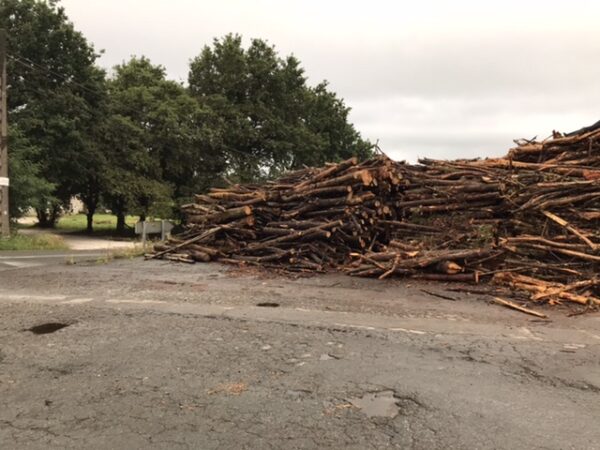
442 79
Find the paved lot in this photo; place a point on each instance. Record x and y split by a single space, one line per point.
157 355
29 259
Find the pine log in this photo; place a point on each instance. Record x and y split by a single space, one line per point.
225 216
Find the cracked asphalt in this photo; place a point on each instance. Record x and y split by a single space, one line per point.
160 355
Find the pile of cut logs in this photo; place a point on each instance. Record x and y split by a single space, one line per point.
309 220
529 220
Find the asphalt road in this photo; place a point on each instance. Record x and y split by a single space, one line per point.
158 355
10 260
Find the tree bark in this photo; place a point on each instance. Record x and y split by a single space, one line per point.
90 219
54 215
230 214
48 218
120 222
42 216
90 199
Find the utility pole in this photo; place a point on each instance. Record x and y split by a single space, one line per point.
4 217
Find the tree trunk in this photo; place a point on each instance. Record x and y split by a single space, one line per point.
90 200
48 218
54 216
42 216
118 209
143 217
120 222
90 220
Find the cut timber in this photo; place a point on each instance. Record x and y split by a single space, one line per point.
225 216
448 267
198 238
563 223
199 256
326 173
293 236
529 221
513 305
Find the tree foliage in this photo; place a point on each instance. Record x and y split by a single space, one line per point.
269 119
28 188
158 140
142 144
55 93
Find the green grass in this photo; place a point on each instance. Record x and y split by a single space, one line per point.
102 222
32 242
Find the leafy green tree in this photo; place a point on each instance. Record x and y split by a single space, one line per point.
158 140
28 188
91 167
54 98
268 118
133 175
336 138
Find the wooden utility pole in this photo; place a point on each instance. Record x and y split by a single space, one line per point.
4 217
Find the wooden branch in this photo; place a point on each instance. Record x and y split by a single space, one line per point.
513 305
198 238
563 223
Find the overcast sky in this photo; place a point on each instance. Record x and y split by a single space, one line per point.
443 79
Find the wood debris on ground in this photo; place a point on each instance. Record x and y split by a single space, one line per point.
529 220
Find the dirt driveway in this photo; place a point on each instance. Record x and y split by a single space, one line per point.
158 355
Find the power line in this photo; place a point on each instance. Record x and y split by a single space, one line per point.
26 62
30 64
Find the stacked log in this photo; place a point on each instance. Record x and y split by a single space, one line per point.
530 220
556 220
308 220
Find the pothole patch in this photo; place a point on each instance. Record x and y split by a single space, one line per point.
47 328
268 305
387 403
377 404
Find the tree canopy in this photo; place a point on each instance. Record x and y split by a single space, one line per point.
138 143
54 99
157 140
270 120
